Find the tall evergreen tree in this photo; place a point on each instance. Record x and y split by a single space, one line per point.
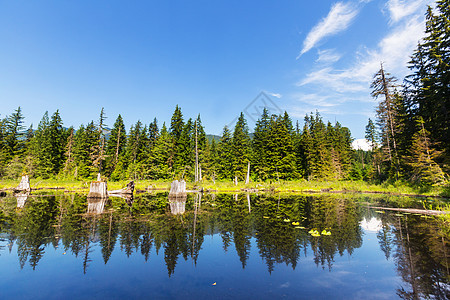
422 158
176 130
280 149
225 156
429 85
13 134
260 144
159 159
241 150
115 146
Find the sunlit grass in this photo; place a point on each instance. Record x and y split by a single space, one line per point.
297 186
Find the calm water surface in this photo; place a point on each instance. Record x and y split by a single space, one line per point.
222 246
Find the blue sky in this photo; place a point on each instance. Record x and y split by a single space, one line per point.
141 58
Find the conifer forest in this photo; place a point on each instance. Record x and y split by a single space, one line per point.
409 138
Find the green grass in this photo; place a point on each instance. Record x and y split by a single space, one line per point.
298 186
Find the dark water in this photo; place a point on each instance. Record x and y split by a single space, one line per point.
219 247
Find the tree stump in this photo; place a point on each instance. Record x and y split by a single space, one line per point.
177 189
24 185
98 189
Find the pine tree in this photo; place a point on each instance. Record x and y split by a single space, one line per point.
305 151
159 165
13 134
260 144
176 130
225 156
241 150
422 158
57 142
115 146
320 162
135 150
429 84
69 164
372 137
153 132
280 149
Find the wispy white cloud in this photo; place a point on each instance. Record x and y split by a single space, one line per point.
328 56
338 19
393 50
399 9
276 95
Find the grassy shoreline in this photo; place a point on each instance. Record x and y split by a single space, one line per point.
299 186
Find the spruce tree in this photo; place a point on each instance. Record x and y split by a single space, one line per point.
153 132
241 150
176 130
115 146
422 158
225 157
280 149
429 84
13 134
260 144
158 163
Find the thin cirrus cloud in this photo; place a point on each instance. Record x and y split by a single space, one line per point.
338 19
393 50
328 56
399 9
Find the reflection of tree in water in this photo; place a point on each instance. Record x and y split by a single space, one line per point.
280 241
108 233
421 257
416 244
33 227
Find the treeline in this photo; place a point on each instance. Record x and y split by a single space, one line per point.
275 151
411 135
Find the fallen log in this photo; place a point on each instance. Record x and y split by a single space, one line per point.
128 190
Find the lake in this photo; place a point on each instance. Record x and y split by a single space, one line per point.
220 246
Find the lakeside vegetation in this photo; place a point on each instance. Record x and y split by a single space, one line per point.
410 141
296 186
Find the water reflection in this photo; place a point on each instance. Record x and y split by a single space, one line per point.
177 205
96 205
277 226
21 199
372 225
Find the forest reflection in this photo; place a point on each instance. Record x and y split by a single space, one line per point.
417 245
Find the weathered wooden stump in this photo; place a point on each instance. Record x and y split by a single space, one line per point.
98 189
24 185
177 189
